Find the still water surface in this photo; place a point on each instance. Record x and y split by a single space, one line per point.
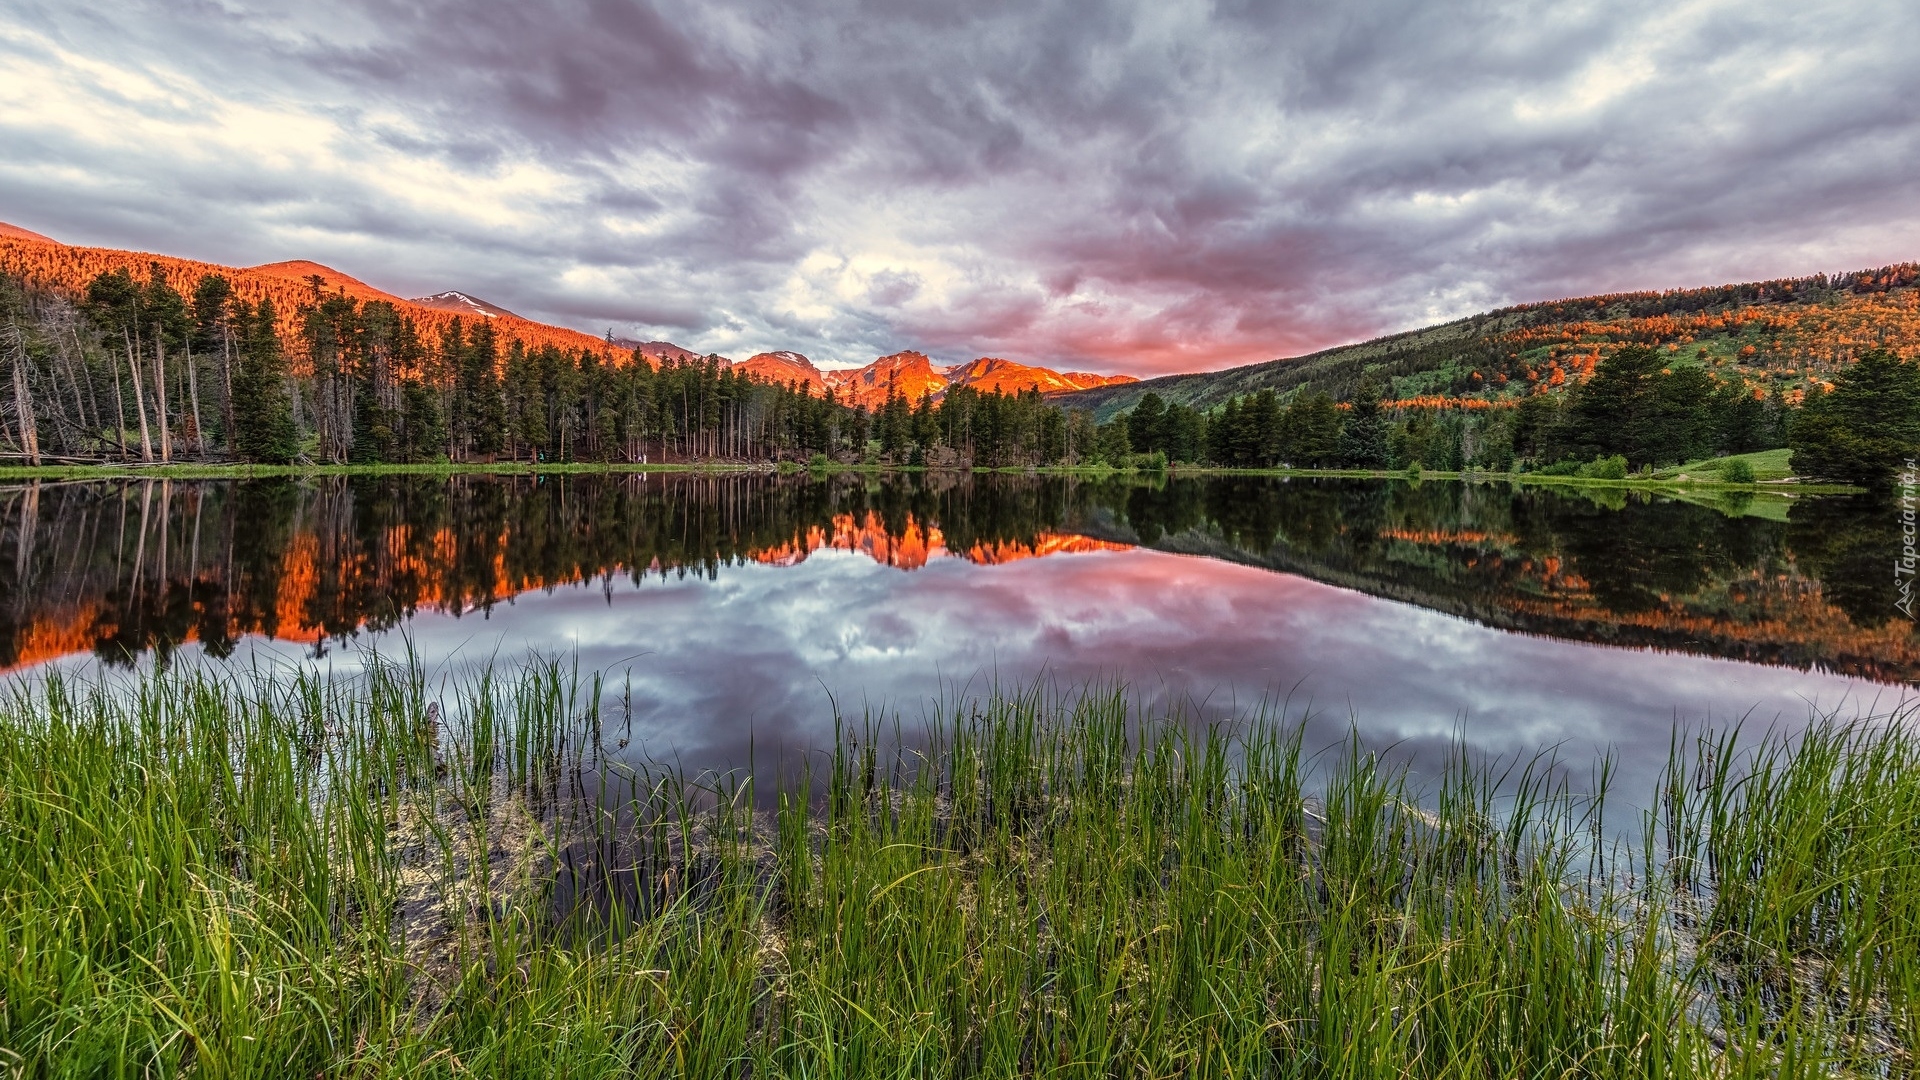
746 607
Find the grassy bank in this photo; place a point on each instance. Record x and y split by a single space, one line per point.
1770 472
258 878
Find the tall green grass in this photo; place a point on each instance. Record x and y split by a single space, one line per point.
1796 864
280 876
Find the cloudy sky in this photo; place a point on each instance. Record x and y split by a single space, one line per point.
1142 187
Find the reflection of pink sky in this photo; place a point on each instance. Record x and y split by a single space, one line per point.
763 649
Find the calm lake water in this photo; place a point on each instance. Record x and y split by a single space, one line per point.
746 607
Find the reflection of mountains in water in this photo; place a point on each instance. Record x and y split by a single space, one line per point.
919 543
120 568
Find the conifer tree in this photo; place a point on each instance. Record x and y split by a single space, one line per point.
1310 431
1364 438
263 412
1146 424
1863 430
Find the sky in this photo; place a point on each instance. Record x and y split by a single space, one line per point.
1137 188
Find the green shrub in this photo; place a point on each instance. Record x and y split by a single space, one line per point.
817 461
1606 468
1569 467
1737 471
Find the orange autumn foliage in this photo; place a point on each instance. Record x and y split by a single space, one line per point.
1442 401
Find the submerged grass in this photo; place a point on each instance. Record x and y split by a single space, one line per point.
280 876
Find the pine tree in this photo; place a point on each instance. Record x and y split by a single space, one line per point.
526 401
1113 445
213 337
1865 428
1364 438
263 413
1146 424
1310 431
484 414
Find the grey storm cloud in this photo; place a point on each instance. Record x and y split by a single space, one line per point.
1140 187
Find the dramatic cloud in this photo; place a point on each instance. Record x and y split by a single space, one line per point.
1145 187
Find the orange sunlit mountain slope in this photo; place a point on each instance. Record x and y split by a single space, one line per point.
993 373
42 262
913 375
15 232
66 269
784 368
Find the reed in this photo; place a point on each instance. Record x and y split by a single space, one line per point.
234 875
1796 867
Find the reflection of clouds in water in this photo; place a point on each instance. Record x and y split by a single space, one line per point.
761 651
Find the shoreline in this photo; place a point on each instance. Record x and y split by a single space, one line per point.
204 471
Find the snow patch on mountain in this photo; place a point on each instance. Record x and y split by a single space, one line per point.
461 303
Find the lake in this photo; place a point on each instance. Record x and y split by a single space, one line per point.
735 612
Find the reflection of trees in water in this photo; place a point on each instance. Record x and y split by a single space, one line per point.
1613 565
1850 544
124 567
1639 557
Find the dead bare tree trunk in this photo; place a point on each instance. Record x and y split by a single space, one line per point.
65 370
23 399
193 395
139 402
119 410
81 355
23 405
226 378
160 399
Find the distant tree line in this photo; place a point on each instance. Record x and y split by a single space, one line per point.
1634 409
1631 408
139 370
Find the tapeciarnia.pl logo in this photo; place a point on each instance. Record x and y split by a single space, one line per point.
1904 566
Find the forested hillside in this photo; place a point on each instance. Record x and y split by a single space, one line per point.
1784 336
115 356
44 265
122 356
164 367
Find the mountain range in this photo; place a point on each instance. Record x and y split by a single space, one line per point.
1780 336
914 375
42 262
